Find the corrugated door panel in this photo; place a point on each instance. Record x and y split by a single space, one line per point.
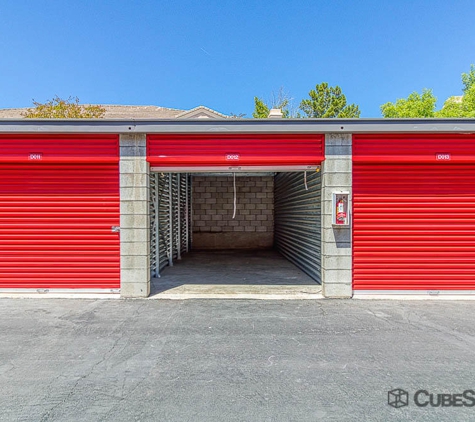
414 226
174 219
56 220
170 218
59 149
154 227
414 148
164 220
297 220
225 150
184 223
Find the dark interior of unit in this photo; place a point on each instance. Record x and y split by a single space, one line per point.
240 228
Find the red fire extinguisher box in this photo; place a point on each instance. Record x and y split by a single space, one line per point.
340 209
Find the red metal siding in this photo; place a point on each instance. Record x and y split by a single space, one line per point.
414 221
55 219
248 150
413 148
59 148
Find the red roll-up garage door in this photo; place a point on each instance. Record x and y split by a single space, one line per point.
59 198
414 213
230 150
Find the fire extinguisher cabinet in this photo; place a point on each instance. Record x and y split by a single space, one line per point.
340 209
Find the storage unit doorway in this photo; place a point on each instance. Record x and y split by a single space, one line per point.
246 208
237 228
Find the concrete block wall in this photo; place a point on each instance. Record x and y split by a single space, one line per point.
336 241
213 225
134 217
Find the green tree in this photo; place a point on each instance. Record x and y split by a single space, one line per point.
459 106
415 105
58 108
261 109
326 101
463 106
468 79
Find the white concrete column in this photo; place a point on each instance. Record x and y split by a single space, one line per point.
134 217
336 241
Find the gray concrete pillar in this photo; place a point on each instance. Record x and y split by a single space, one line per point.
134 217
336 241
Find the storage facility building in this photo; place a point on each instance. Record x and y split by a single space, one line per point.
362 206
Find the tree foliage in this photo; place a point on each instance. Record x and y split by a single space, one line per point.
237 115
468 79
261 109
326 102
59 108
459 106
281 100
415 105
463 106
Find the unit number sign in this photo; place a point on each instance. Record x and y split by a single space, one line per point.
231 157
35 156
442 157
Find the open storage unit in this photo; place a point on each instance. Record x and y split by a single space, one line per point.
222 212
220 192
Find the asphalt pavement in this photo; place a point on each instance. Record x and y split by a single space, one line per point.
236 360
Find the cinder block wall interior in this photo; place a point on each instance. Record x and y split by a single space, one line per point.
213 223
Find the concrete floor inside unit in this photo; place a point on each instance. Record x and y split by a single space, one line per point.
259 274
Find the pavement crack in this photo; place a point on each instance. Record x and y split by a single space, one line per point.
4 370
321 308
118 329
464 341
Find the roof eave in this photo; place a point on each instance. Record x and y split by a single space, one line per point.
236 125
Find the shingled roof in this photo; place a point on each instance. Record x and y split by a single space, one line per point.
135 112
11 113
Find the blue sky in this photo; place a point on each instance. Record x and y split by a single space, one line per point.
220 53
